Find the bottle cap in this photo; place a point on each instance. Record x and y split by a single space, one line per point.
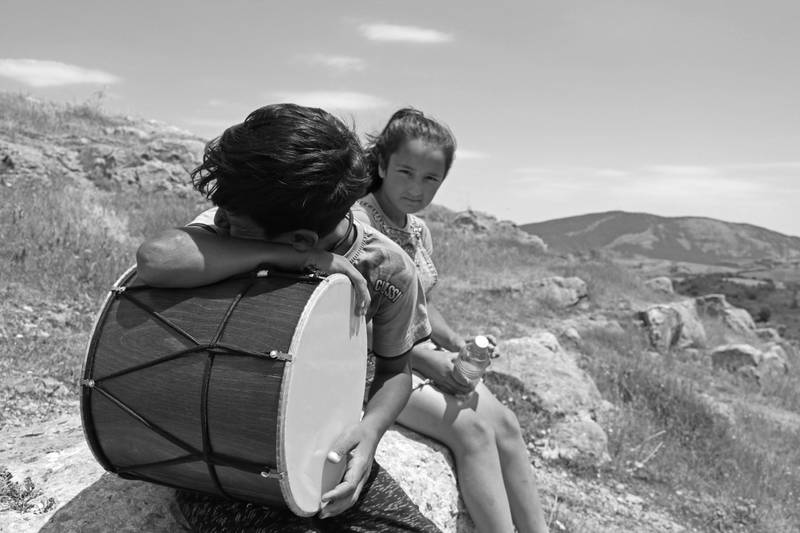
481 342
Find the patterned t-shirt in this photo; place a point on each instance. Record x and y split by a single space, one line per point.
397 310
414 237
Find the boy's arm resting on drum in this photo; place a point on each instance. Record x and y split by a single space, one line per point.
193 256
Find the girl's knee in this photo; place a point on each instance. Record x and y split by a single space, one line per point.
507 426
474 434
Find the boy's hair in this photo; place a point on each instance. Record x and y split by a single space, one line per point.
287 167
405 125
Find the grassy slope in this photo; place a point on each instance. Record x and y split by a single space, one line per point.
666 442
666 438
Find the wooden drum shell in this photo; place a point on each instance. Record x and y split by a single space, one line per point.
198 388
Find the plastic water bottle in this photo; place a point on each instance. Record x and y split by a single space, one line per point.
472 361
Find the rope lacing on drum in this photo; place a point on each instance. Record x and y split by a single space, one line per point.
211 349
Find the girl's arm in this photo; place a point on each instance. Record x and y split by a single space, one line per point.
193 256
437 366
441 332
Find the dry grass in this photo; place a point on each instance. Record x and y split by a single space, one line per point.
723 475
23 114
785 390
72 242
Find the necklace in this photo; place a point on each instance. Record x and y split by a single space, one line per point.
346 235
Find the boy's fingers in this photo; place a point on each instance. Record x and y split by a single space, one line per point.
345 488
345 494
363 298
361 289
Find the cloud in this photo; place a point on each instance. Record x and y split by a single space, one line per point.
336 63
573 174
217 102
462 154
405 34
611 173
681 170
328 100
216 123
38 73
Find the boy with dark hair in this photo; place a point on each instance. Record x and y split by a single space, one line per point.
283 182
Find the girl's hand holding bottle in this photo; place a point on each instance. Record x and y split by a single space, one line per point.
440 374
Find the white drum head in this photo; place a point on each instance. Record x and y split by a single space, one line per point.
322 393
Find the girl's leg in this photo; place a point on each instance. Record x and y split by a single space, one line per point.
518 476
472 441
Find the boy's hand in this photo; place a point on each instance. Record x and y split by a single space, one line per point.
338 264
357 448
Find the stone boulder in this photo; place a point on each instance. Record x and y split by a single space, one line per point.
572 334
60 466
768 334
717 306
674 325
732 357
774 361
559 388
186 152
751 361
472 221
577 440
85 498
485 226
155 176
679 324
693 334
574 328
663 325
557 291
661 284
425 470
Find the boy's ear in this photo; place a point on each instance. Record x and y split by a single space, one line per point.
381 168
304 239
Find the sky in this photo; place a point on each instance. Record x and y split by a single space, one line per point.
560 108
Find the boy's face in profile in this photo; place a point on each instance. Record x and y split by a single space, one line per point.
244 227
240 226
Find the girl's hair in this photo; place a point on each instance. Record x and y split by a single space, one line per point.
405 125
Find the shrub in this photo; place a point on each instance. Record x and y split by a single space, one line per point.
21 497
763 314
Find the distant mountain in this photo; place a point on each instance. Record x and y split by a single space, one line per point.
687 239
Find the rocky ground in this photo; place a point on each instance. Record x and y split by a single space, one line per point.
68 491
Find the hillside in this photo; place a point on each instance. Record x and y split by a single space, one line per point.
680 239
642 410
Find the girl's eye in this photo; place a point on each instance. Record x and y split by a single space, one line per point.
432 178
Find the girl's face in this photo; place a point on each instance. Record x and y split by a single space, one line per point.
411 177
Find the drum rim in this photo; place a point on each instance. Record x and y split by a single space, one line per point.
280 450
87 422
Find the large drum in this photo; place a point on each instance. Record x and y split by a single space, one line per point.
236 389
